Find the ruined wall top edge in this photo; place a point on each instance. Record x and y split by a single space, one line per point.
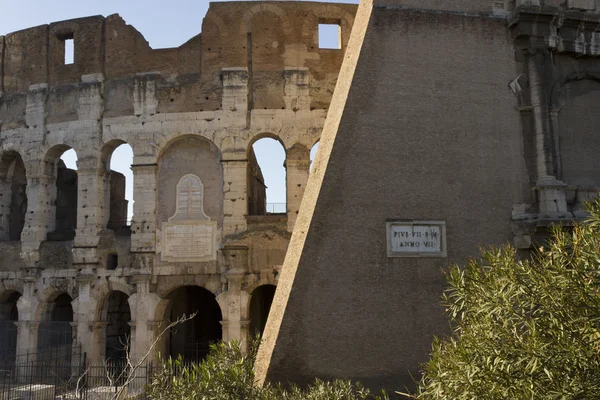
493 6
109 46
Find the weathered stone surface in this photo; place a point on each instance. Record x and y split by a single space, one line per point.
193 111
440 115
477 114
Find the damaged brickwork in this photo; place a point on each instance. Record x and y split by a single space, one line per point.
254 71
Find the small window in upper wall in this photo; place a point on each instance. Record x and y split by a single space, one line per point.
112 261
69 49
330 36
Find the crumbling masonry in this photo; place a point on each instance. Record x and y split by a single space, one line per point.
475 120
72 272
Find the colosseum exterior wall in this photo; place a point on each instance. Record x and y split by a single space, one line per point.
255 71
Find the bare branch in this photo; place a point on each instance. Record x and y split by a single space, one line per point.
132 368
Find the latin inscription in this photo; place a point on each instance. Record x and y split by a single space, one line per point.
413 239
189 241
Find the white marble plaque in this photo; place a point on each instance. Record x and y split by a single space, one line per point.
189 241
190 199
416 239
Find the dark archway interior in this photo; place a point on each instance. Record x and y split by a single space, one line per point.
9 314
260 305
66 204
56 334
192 338
118 331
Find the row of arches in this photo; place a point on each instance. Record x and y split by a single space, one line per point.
190 339
60 168
266 186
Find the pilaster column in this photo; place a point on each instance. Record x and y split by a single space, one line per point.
297 170
244 334
93 210
41 191
5 200
152 331
297 89
235 90
132 336
85 328
97 341
235 187
41 214
231 302
36 111
143 225
27 334
28 325
144 329
144 93
233 329
552 196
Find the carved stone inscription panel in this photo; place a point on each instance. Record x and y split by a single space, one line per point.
189 241
190 235
416 239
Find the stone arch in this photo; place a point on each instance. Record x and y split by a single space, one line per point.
120 184
261 299
170 139
13 195
257 182
191 338
195 155
102 292
115 314
52 156
62 27
55 332
9 314
565 79
62 197
575 144
8 305
48 296
9 287
327 12
215 20
265 7
255 137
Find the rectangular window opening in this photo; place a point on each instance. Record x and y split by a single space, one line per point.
69 50
112 262
330 36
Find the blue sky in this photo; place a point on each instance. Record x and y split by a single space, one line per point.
163 24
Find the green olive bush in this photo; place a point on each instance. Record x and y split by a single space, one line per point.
523 329
228 374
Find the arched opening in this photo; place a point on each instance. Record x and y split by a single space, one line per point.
313 154
55 334
190 156
61 164
117 315
260 305
267 191
13 196
9 314
118 158
191 339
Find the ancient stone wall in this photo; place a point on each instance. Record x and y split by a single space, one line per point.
191 115
454 124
